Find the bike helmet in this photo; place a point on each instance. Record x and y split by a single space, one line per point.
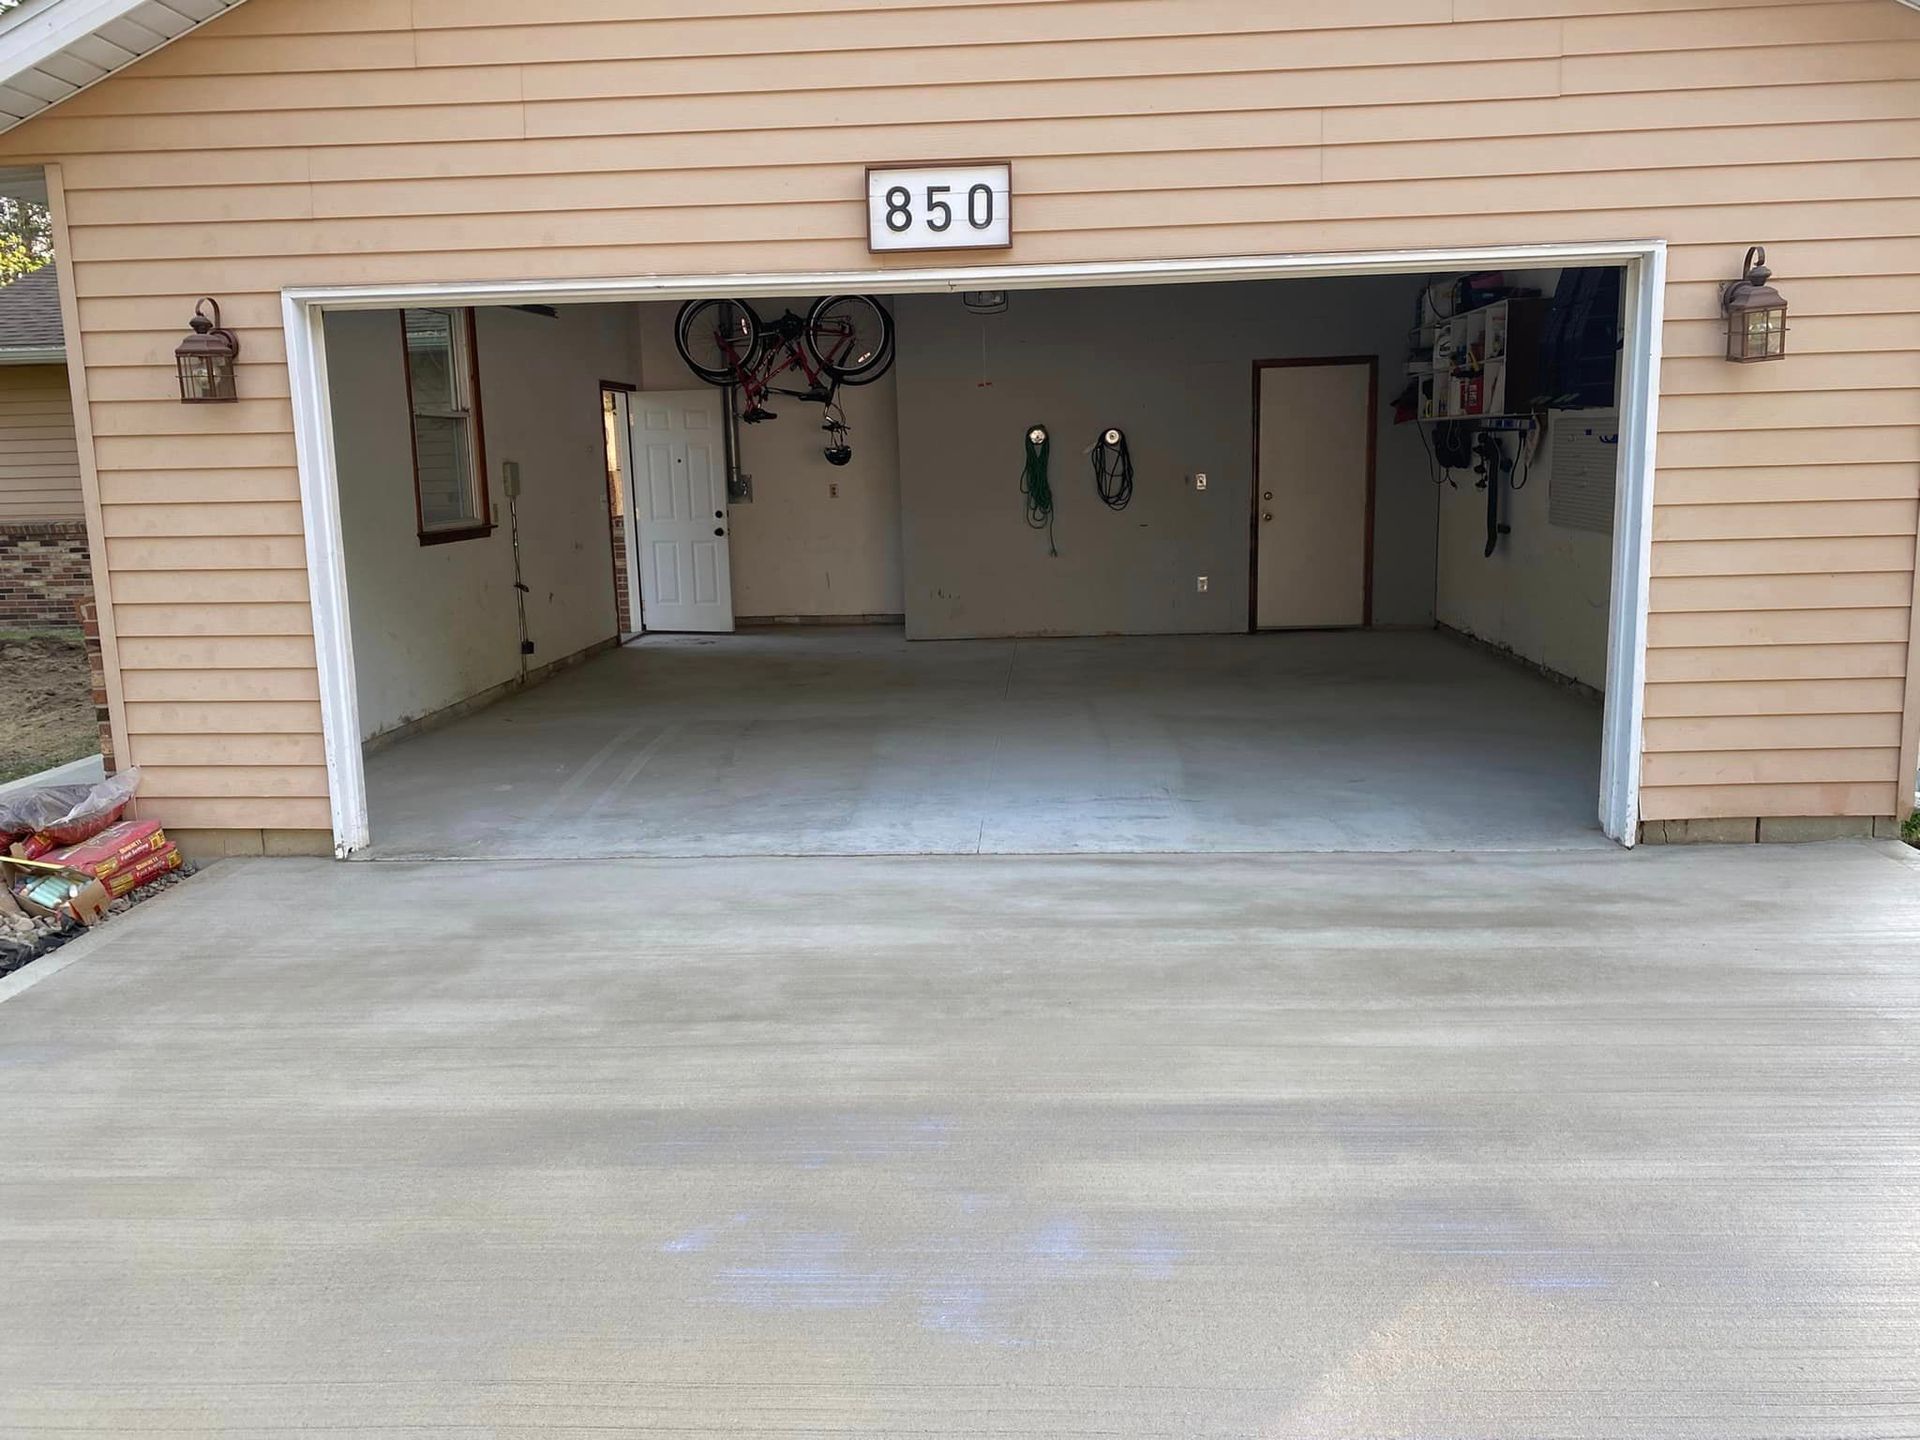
838 451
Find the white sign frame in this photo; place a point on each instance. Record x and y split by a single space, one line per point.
943 206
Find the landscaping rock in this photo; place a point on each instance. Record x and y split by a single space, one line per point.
25 938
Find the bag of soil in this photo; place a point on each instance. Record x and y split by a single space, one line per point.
58 815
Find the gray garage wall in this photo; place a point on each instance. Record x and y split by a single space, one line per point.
436 624
1172 366
1544 593
819 540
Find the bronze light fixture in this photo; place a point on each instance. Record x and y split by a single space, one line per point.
1756 313
206 359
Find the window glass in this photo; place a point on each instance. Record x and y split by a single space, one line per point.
610 415
446 466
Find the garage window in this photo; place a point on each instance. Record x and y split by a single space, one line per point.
449 458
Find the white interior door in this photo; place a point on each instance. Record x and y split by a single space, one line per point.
680 511
1312 494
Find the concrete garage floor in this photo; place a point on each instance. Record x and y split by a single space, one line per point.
857 742
1577 1144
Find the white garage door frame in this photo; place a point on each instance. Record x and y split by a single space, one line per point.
1645 263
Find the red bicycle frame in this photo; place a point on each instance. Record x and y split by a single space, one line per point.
786 350
783 353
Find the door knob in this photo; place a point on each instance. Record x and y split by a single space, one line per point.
1267 518
719 530
1267 495
721 514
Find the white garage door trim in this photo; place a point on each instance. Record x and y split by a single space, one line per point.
1645 262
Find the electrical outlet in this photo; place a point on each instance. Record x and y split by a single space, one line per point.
833 490
1200 483
1201 584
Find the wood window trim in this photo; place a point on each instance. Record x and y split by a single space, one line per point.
483 526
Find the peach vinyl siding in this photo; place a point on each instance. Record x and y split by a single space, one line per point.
39 458
303 142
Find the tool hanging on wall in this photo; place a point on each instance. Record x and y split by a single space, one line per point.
510 484
1113 469
1035 485
1491 466
1452 446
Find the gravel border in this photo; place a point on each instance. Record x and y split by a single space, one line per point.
25 939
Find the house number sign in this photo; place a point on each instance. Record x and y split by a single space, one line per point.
940 207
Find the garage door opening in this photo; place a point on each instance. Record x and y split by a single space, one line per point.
1274 564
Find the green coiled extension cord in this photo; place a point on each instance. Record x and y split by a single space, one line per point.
1035 485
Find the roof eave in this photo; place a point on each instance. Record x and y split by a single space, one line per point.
52 50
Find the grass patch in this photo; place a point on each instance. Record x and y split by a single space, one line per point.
46 701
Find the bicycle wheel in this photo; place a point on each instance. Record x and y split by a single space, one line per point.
718 338
851 337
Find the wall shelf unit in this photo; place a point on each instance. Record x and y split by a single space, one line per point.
1485 362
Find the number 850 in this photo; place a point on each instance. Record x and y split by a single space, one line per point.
939 209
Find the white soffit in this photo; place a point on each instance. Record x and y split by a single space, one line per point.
50 49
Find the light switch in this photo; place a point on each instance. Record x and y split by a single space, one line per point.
1200 481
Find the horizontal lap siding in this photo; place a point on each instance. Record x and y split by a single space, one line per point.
340 141
39 458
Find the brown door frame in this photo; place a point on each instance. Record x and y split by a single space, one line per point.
1372 362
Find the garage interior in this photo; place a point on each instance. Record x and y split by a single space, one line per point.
1303 626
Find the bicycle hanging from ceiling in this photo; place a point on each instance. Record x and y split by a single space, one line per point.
841 340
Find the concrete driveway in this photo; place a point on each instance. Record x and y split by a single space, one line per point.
1575 1144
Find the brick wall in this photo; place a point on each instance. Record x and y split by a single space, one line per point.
621 598
89 616
43 573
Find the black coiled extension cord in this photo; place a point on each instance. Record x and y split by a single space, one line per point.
1035 485
1113 469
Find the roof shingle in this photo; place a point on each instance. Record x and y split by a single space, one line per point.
30 312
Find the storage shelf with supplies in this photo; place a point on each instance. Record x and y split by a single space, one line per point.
1485 361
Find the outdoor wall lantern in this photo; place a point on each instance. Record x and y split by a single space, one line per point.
1756 313
206 359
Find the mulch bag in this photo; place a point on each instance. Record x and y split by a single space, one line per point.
54 816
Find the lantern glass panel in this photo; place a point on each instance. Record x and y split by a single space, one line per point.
205 378
1766 333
